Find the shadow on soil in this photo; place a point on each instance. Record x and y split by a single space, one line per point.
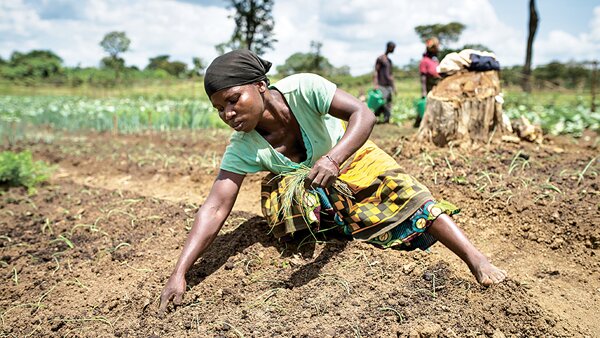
254 230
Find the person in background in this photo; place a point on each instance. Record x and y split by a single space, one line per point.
427 69
384 81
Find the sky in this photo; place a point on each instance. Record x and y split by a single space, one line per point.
353 32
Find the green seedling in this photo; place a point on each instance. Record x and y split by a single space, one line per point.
37 305
110 212
136 269
428 158
31 203
47 226
264 299
462 180
582 173
356 330
526 182
487 175
15 276
482 187
256 259
498 193
237 332
57 264
79 283
131 201
552 187
337 279
516 160
6 238
63 239
90 227
196 320
448 163
120 245
398 314
100 319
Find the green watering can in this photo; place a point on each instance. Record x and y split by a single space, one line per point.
420 106
375 99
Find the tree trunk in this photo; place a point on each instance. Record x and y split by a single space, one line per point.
464 107
533 24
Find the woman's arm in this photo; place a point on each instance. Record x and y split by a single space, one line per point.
208 222
360 124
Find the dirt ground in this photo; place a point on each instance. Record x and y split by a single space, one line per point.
88 255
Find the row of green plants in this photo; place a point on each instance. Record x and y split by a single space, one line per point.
555 114
135 114
122 115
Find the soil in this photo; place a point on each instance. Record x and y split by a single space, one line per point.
89 253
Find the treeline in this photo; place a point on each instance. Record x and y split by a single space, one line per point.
554 75
45 67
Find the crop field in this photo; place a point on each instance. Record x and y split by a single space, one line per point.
88 252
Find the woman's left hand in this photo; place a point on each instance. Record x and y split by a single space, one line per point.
322 175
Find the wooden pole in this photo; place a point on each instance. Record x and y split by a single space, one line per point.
149 119
115 124
533 25
594 72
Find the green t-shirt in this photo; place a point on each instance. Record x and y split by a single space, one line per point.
309 97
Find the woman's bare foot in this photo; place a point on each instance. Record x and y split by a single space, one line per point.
449 234
487 273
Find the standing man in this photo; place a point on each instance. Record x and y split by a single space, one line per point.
384 81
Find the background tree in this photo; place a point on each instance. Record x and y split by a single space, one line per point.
315 47
199 66
175 68
446 33
533 25
254 25
115 43
32 66
312 62
116 63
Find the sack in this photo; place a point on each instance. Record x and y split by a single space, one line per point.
375 99
482 63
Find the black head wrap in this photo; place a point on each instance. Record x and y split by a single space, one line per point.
236 68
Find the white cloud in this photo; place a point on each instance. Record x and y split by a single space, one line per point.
562 46
155 27
353 32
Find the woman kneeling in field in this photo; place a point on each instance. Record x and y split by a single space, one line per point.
295 125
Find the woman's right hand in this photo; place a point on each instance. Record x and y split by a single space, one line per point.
173 290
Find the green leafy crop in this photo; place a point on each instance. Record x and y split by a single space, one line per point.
19 169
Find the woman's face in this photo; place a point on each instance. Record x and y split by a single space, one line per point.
241 107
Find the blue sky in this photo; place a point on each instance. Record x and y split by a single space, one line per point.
570 16
353 33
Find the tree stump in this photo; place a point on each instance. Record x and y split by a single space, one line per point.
464 107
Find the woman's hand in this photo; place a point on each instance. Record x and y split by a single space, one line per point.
208 222
323 173
173 290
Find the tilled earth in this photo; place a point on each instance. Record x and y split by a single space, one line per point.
89 253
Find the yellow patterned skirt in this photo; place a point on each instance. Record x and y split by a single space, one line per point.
387 207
